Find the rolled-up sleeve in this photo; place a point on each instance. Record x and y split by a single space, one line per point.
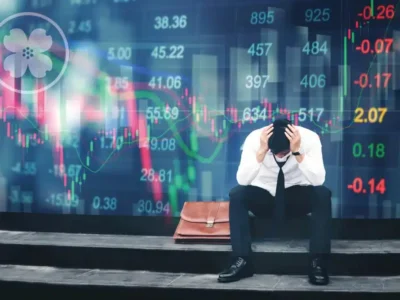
312 165
249 166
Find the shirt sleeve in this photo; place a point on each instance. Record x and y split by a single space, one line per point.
312 165
249 166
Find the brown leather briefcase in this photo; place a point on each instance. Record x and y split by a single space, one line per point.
203 221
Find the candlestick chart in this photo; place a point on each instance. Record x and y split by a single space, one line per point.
159 96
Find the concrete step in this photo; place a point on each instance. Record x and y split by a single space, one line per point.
161 254
166 285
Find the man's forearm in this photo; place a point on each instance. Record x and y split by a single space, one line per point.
261 155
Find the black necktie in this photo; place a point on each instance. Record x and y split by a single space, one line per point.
279 212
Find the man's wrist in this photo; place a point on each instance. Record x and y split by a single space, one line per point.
298 151
261 155
262 151
300 157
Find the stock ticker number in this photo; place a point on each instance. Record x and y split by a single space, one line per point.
256 81
63 200
111 143
70 140
315 48
164 144
27 168
168 52
383 12
374 150
18 196
152 207
317 15
262 17
313 81
117 83
373 186
165 113
174 22
119 53
43 3
170 82
380 46
259 49
70 171
158 144
84 26
380 80
82 2
106 203
150 175
257 113
372 115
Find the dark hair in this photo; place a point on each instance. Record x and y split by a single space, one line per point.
278 141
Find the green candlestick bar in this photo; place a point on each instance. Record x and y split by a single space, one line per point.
72 190
173 200
191 172
178 181
46 132
193 141
372 7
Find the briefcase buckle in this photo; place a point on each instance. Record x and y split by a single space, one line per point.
210 224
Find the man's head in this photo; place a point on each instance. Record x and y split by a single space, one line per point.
278 142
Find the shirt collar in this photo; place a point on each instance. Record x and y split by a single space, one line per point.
282 159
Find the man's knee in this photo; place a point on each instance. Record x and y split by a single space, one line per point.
237 192
323 197
323 192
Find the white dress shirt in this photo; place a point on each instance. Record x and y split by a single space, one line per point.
310 171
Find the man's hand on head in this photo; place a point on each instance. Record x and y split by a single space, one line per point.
293 135
266 133
294 138
264 138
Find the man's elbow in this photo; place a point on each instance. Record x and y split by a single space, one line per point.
318 178
241 179
244 177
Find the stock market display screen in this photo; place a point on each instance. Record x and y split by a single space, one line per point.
132 107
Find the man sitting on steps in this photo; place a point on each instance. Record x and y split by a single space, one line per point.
281 173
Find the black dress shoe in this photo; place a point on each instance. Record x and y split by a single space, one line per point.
318 274
238 270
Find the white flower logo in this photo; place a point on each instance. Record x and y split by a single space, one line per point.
28 53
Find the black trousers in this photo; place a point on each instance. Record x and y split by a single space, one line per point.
299 201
